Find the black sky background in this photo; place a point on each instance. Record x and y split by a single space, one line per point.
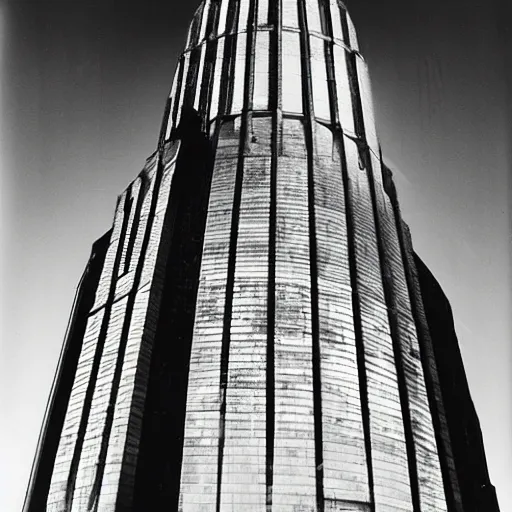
83 87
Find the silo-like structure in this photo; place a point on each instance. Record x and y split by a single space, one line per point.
256 339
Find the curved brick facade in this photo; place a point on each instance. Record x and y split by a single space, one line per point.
257 340
303 293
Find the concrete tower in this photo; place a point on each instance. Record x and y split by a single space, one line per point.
252 334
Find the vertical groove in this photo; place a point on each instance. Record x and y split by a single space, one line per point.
213 16
189 90
203 82
226 334
230 51
205 17
361 367
385 273
93 499
329 60
309 120
70 487
128 207
135 226
228 65
195 27
179 90
352 271
274 17
165 122
361 363
210 63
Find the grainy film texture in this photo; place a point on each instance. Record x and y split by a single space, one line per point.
254 335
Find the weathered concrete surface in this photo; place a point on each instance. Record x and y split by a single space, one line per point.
294 446
201 441
308 381
344 455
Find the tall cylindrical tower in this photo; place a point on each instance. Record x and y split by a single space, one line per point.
306 388
257 339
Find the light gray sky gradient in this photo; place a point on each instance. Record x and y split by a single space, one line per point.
83 88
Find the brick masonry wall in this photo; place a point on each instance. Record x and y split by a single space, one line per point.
300 356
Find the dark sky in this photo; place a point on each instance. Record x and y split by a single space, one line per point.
83 87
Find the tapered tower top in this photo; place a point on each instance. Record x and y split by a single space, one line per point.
287 48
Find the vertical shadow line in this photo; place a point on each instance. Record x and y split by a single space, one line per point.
309 120
274 18
356 306
386 274
228 308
